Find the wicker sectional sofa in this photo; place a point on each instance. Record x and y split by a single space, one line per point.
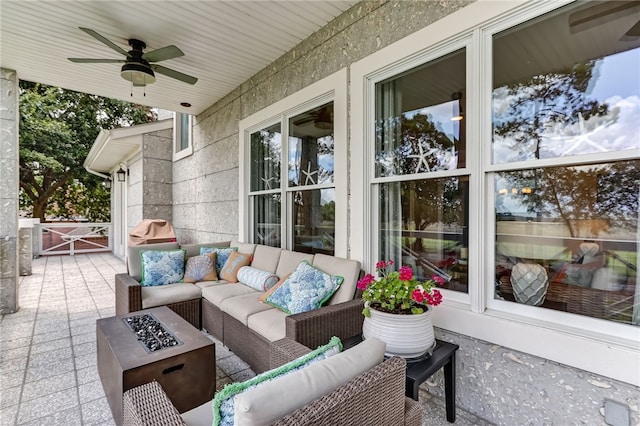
232 312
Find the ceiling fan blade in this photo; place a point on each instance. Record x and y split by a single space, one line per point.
174 74
162 54
601 13
96 61
105 40
632 34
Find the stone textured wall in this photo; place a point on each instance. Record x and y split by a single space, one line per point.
507 387
150 179
493 382
205 189
157 148
8 191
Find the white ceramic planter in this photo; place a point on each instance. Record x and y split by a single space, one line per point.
406 336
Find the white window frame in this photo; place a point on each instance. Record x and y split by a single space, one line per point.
603 347
330 89
177 133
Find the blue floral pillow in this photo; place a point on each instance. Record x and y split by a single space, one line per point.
306 289
160 267
222 254
223 400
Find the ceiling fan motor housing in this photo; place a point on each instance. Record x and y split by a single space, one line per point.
137 70
139 74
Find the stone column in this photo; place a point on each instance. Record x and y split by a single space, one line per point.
25 246
9 185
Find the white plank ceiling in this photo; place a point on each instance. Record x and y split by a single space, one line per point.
225 43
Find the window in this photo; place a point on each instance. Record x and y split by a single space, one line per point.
538 173
309 189
292 163
421 182
182 140
566 223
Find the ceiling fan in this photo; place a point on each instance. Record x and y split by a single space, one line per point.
139 66
603 12
321 118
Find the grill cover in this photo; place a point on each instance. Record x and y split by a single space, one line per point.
151 231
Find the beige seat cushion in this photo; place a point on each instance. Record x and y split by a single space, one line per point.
205 284
170 293
347 269
134 264
269 324
289 260
266 258
216 294
202 415
241 307
256 406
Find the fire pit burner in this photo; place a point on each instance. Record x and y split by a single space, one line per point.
151 333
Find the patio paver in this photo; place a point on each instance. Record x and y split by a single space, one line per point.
48 373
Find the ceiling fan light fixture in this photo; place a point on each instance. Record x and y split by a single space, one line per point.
137 73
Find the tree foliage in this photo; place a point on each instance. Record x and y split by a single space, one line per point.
57 129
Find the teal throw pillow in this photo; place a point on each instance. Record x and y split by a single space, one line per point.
222 254
160 267
223 400
306 289
257 279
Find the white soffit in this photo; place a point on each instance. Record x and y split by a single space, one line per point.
225 43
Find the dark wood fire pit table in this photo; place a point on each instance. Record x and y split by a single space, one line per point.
186 371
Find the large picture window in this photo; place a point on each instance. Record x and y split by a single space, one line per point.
567 224
501 151
419 136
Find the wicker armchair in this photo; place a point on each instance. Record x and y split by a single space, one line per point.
375 397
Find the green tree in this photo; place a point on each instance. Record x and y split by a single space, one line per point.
57 129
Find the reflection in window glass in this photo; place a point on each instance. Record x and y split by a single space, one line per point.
579 226
266 219
567 84
424 224
311 147
265 158
420 124
185 131
314 221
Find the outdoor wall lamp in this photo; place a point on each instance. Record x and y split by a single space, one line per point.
122 174
107 183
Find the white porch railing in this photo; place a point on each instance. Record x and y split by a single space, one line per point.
72 238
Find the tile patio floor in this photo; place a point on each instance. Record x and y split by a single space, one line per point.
48 372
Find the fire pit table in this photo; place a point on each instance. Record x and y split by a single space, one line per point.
155 344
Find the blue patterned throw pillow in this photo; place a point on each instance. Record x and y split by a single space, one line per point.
160 267
223 400
306 289
222 254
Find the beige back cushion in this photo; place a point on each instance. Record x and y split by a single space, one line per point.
266 258
347 269
194 249
244 248
289 260
295 390
134 265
